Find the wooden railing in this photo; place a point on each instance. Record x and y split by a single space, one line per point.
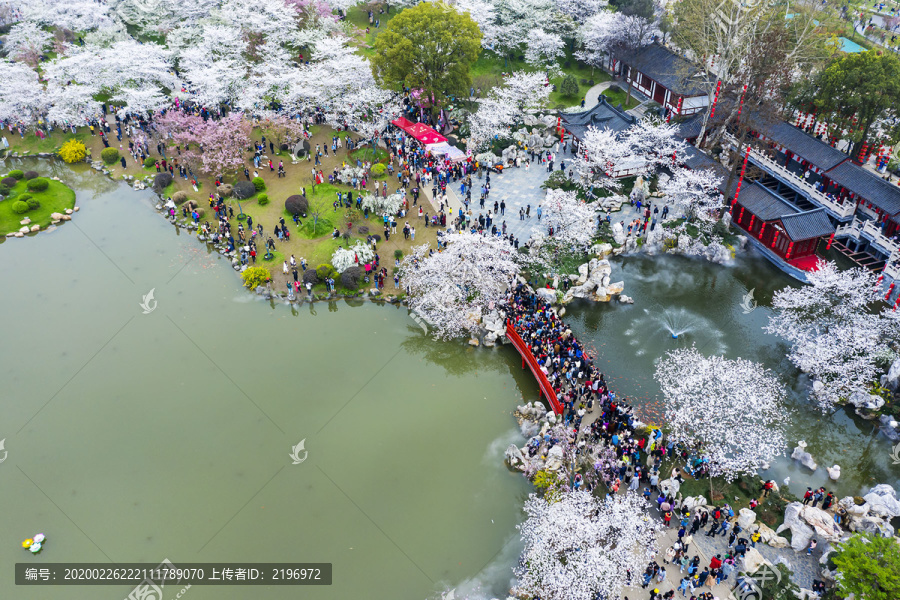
529 359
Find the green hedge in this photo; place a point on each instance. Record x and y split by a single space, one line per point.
259 183
38 184
109 155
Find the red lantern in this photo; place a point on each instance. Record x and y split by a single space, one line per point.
712 112
889 292
741 105
752 219
762 229
831 239
790 249
775 238
741 216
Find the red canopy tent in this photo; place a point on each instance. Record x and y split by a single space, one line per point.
403 123
421 132
425 134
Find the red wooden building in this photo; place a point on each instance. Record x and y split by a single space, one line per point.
787 235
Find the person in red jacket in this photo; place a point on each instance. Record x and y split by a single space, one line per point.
716 562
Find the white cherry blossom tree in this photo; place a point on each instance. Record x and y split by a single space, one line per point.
835 330
26 42
22 97
543 49
731 411
574 225
452 287
696 192
383 206
581 547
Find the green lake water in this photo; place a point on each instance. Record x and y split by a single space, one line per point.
138 437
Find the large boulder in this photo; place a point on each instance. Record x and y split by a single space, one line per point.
803 456
615 288
849 505
746 518
243 190
753 560
547 294
872 525
618 233
883 500
514 457
554 459
892 380
801 533
822 522
692 502
670 487
862 400
296 204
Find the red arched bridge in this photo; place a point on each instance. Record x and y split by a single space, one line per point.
528 358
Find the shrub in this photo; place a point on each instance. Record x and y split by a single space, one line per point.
73 151
16 174
324 272
9 182
149 162
378 170
109 155
262 199
351 277
161 181
179 197
569 86
4 191
398 253
225 190
255 276
31 174
362 229
283 147
243 190
32 203
259 183
20 207
38 184
296 205
310 276
23 197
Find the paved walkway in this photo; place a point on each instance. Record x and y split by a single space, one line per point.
592 96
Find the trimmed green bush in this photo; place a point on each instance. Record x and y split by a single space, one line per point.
38 184
149 162
398 253
161 181
16 174
4 191
310 276
351 277
569 86
32 203
109 155
31 174
20 207
259 183
325 271
378 170
9 182
296 205
23 197
243 190
262 199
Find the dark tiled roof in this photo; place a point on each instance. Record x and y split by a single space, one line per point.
696 159
690 128
802 144
666 68
764 203
807 225
602 116
867 185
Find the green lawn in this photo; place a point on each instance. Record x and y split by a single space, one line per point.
359 17
56 198
617 95
33 144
